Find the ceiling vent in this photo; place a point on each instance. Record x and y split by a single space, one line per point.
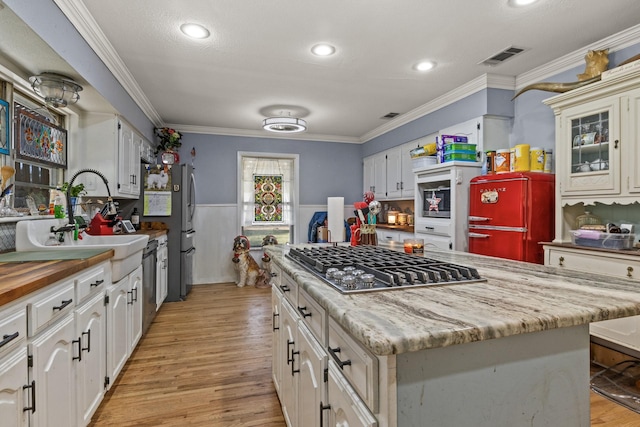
390 116
500 57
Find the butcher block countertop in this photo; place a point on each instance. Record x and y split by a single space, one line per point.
517 298
22 278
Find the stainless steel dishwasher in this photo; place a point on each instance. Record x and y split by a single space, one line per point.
149 256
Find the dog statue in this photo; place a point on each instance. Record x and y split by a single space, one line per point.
250 274
266 259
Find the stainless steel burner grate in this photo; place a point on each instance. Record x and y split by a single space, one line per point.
351 269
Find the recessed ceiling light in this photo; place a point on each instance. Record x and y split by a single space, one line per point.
323 49
520 3
195 31
424 66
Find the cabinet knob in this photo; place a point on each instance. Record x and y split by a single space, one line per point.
629 271
561 261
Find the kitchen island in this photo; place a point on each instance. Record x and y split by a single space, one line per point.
511 351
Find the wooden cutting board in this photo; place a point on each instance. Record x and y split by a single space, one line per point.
50 255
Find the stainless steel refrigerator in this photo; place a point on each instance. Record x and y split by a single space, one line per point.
171 198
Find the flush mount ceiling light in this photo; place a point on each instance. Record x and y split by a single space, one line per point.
323 49
195 31
284 124
424 66
520 3
56 89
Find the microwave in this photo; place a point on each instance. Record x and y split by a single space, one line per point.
436 202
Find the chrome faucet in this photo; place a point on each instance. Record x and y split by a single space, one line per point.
112 207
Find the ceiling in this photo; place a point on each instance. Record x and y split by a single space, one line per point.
257 61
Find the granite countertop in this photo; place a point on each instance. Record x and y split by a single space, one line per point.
517 298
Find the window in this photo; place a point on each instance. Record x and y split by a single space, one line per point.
268 196
35 174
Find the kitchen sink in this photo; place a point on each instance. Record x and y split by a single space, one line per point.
32 235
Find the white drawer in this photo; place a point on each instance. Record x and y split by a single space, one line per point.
592 262
50 306
90 282
314 316
358 365
13 327
289 288
440 226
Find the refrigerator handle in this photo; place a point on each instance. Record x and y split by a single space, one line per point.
478 235
479 218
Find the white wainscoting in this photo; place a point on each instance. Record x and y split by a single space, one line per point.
217 225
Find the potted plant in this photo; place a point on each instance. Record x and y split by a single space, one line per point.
169 139
74 192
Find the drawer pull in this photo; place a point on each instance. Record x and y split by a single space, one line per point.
88 347
303 312
289 358
561 261
273 321
31 408
6 339
96 283
79 357
294 371
63 305
285 288
629 271
322 409
332 352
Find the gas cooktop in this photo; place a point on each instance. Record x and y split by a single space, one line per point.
351 269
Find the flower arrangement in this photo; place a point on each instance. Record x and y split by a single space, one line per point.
169 139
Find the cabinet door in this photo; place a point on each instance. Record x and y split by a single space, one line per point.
117 328
135 308
408 177
125 144
368 174
13 398
311 387
345 408
55 352
631 141
588 144
288 348
276 350
394 173
380 176
91 327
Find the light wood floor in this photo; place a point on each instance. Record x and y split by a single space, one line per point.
207 362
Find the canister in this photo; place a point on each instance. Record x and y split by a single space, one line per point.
512 159
548 160
502 160
489 161
536 159
402 218
521 158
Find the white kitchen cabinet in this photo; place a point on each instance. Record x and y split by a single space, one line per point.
445 231
380 176
117 329
344 406
368 174
310 363
91 328
389 174
15 400
112 147
597 138
54 353
597 157
288 383
162 264
487 132
276 341
390 235
135 312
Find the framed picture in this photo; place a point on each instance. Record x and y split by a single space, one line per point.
38 139
5 142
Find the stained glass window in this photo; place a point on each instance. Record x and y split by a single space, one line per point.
268 198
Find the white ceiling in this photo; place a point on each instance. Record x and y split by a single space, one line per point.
257 61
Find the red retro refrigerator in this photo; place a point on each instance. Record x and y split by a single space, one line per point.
510 214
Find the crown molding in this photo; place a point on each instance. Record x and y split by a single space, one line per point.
574 59
89 29
301 136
